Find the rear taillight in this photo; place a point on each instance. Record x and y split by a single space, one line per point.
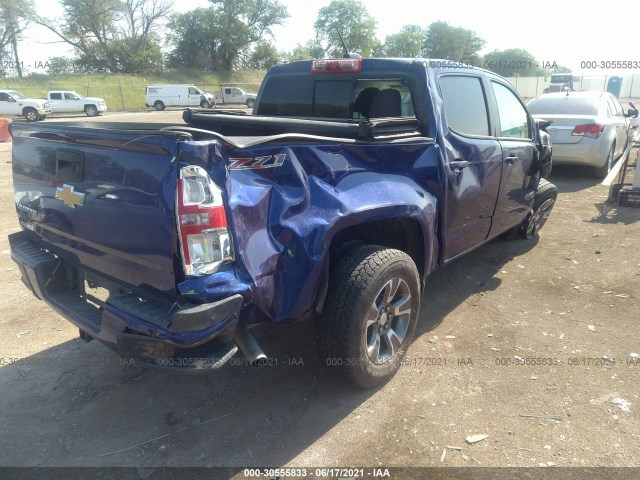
591 130
205 241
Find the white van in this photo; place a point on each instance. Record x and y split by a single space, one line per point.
161 96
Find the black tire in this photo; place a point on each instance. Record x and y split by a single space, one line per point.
158 105
545 199
91 110
251 102
204 104
31 114
603 171
360 344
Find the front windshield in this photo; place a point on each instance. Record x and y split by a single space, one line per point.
17 95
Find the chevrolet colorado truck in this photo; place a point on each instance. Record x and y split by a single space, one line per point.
353 180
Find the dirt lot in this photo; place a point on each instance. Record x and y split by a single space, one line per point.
570 299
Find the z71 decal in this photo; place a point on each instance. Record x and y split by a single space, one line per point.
268 161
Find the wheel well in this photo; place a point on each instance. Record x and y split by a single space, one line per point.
402 234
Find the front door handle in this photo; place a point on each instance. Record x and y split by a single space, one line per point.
458 164
510 160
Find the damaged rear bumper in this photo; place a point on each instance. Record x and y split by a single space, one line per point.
146 332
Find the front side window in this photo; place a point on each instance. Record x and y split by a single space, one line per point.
464 104
71 96
193 91
514 121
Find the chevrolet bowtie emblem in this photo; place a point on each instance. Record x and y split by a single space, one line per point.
69 197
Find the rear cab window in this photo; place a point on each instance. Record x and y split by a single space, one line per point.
336 98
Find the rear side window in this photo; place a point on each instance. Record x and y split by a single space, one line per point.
465 105
55 96
514 121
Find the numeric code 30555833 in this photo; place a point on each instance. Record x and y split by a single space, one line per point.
620 64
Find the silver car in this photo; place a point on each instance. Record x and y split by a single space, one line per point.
588 128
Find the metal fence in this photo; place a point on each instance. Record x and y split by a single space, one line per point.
119 98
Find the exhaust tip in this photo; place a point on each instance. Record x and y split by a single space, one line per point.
247 343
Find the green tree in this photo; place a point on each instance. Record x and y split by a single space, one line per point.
112 35
310 50
559 69
263 56
453 43
512 62
14 19
352 20
408 43
218 37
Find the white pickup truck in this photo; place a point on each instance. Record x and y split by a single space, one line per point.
229 95
65 101
14 103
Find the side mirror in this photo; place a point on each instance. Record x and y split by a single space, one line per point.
632 112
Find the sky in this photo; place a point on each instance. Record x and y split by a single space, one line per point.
567 33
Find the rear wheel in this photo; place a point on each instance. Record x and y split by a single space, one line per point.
603 171
158 105
31 114
546 196
370 315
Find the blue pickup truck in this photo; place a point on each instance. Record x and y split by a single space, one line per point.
353 180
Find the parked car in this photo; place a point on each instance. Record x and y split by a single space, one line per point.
234 95
587 128
352 183
14 103
161 96
65 101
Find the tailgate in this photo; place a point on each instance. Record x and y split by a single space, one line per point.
101 198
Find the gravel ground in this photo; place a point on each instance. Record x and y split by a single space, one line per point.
532 344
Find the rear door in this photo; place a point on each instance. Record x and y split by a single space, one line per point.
515 132
473 163
56 101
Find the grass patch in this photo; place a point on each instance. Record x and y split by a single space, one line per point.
125 93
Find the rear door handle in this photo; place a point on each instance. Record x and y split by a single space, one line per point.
458 164
510 160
